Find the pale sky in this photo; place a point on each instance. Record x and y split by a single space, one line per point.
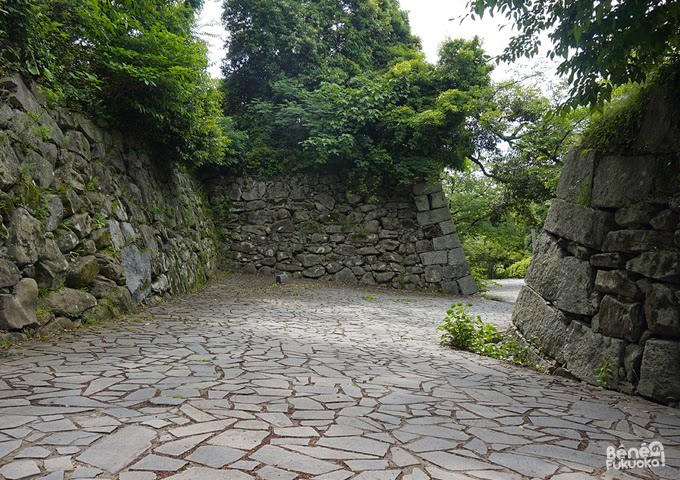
429 20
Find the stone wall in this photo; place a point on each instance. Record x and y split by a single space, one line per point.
317 226
603 290
91 224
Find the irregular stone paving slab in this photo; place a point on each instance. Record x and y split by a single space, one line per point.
13 421
237 438
288 460
137 476
199 428
200 473
85 472
355 444
328 453
156 463
80 438
455 462
296 432
360 465
384 475
182 446
402 458
58 463
21 469
33 452
215 457
8 447
529 466
56 426
118 450
271 473
247 380
53 476
417 474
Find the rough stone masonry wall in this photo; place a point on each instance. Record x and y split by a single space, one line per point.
603 290
315 227
91 224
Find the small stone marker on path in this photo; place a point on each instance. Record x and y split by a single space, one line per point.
282 278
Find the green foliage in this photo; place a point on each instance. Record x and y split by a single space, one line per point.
310 42
92 184
521 143
64 225
10 339
616 127
464 331
43 292
402 121
605 377
483 282
505 189
467 332
135 63
99 220
518 269
25 193
493 236
603 44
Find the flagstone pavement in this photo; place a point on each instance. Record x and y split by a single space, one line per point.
248 380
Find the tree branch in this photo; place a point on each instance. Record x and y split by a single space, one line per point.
479 163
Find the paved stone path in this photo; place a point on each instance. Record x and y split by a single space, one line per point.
505 290
248 380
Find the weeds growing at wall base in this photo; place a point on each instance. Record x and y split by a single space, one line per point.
468 332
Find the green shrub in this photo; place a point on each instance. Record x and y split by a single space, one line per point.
482 281
465 331
517 269
136 64
468 332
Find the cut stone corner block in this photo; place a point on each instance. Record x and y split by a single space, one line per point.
434 216
427 188
586 354
468 285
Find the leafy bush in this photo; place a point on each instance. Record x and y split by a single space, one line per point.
517 269
343 85
468 332
483 282
493 236
615 129
134 63
465 331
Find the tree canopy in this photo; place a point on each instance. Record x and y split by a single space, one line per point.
133 62
308 83
310 41
602 43
520 143
505 189
343 84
